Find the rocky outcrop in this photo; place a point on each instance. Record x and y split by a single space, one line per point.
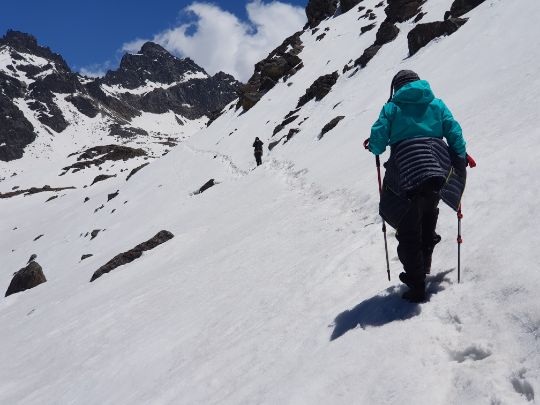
347 5
397 11
331 125
319 89
33 190
132 254
136 170
423 34
282 62
318 10
85 105
16 132
26 278
98 155
205 186
460 7
102 177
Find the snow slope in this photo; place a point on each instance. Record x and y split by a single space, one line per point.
273 290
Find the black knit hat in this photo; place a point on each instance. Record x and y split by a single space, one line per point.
401 79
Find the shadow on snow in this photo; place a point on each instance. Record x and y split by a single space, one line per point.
386 307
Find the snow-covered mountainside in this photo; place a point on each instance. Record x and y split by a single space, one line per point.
269 287
50 116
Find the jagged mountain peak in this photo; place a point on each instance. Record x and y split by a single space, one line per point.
26 43
152 63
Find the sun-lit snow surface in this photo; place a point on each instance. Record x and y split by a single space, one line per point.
240 307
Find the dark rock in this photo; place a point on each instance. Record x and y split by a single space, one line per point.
386 33
402 10
292 132
97 209
319 89
16 132
86 199
84 104
318 10
419 17
367 28
136 170
281 63
460 7
112 195
51 198
422 34
33 190
347 5
94 233
285 122
90 157
86 256
102 177
38 237
206 186
320 37
26 278
135 253
331 125
125 131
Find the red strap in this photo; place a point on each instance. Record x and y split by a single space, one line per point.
470 161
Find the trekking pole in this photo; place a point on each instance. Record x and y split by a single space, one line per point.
471 163
378 164
459 242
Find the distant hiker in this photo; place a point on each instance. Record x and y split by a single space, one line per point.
421 170
258 145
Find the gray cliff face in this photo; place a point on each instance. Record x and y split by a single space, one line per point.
37 76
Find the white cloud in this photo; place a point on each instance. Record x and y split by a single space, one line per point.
218 40
96 70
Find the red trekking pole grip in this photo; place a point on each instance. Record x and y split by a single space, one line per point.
470 161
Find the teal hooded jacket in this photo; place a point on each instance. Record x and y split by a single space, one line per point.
414 112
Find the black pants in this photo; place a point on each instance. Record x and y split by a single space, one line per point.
258 158
416 233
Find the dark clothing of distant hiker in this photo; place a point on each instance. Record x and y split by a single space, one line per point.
421 170
258 145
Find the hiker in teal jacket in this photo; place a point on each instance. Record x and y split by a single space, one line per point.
421 169
414 112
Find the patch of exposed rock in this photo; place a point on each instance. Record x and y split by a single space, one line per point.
136 170
319 10
26 278
98 155
33 190
460 7
281 63
132 254
205 186
102 177
423 34
347 5
331 125
319 89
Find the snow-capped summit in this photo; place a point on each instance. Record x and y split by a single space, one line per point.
152 64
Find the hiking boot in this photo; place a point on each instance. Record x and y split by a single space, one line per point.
404 278
415 294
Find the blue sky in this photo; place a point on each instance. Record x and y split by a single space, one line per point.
91 35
